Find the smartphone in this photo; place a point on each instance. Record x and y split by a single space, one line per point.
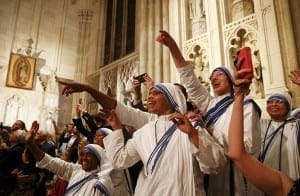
244 57
141 78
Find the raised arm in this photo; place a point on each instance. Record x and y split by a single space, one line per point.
165 39
196 91
133 117
268 180
37 153
104 100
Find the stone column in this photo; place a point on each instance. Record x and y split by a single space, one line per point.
288 45
85 17
215 34
270 48
158 66
150 35
141 37
166 62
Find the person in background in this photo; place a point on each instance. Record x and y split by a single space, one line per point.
270 181
64 137
94 122
27 175
18 125
10 159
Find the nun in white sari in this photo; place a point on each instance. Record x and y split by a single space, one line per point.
169 146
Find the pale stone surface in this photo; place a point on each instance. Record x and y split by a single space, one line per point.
70 46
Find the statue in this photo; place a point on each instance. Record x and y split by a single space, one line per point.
12 109
257 81
197 9
201 66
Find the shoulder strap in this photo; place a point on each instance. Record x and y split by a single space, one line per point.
263 152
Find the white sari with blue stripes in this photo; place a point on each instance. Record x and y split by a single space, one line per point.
174 172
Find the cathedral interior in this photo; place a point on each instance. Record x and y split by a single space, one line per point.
104 43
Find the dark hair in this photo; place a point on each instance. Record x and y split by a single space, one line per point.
23 126
189 106
98 118
183 90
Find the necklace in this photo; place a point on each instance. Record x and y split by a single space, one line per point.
155 129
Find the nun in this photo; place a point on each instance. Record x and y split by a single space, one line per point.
171 149
90 177
281 136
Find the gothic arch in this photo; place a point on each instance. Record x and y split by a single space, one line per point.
13 107
240 36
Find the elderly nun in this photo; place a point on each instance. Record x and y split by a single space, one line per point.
281 136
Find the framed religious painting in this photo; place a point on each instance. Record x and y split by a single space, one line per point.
21 70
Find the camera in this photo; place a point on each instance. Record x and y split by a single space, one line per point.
141 78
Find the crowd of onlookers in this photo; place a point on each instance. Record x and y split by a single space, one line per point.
180 143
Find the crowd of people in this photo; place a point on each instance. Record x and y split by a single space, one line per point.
182 142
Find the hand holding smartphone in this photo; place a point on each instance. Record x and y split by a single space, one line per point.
141 78
244 61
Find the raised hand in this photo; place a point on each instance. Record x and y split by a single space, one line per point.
72 87
149 81
195 117
165 38
241 85
79 108
32 132
182 122
295 76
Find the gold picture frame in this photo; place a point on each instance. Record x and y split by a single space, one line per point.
21 70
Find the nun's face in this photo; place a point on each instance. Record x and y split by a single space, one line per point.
277 109
157 104
88 161
219 82
98 138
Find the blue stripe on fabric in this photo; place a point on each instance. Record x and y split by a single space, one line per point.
102 188
215 112
81 182
168 96
160 149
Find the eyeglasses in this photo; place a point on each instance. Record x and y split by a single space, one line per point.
217 74
275 101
